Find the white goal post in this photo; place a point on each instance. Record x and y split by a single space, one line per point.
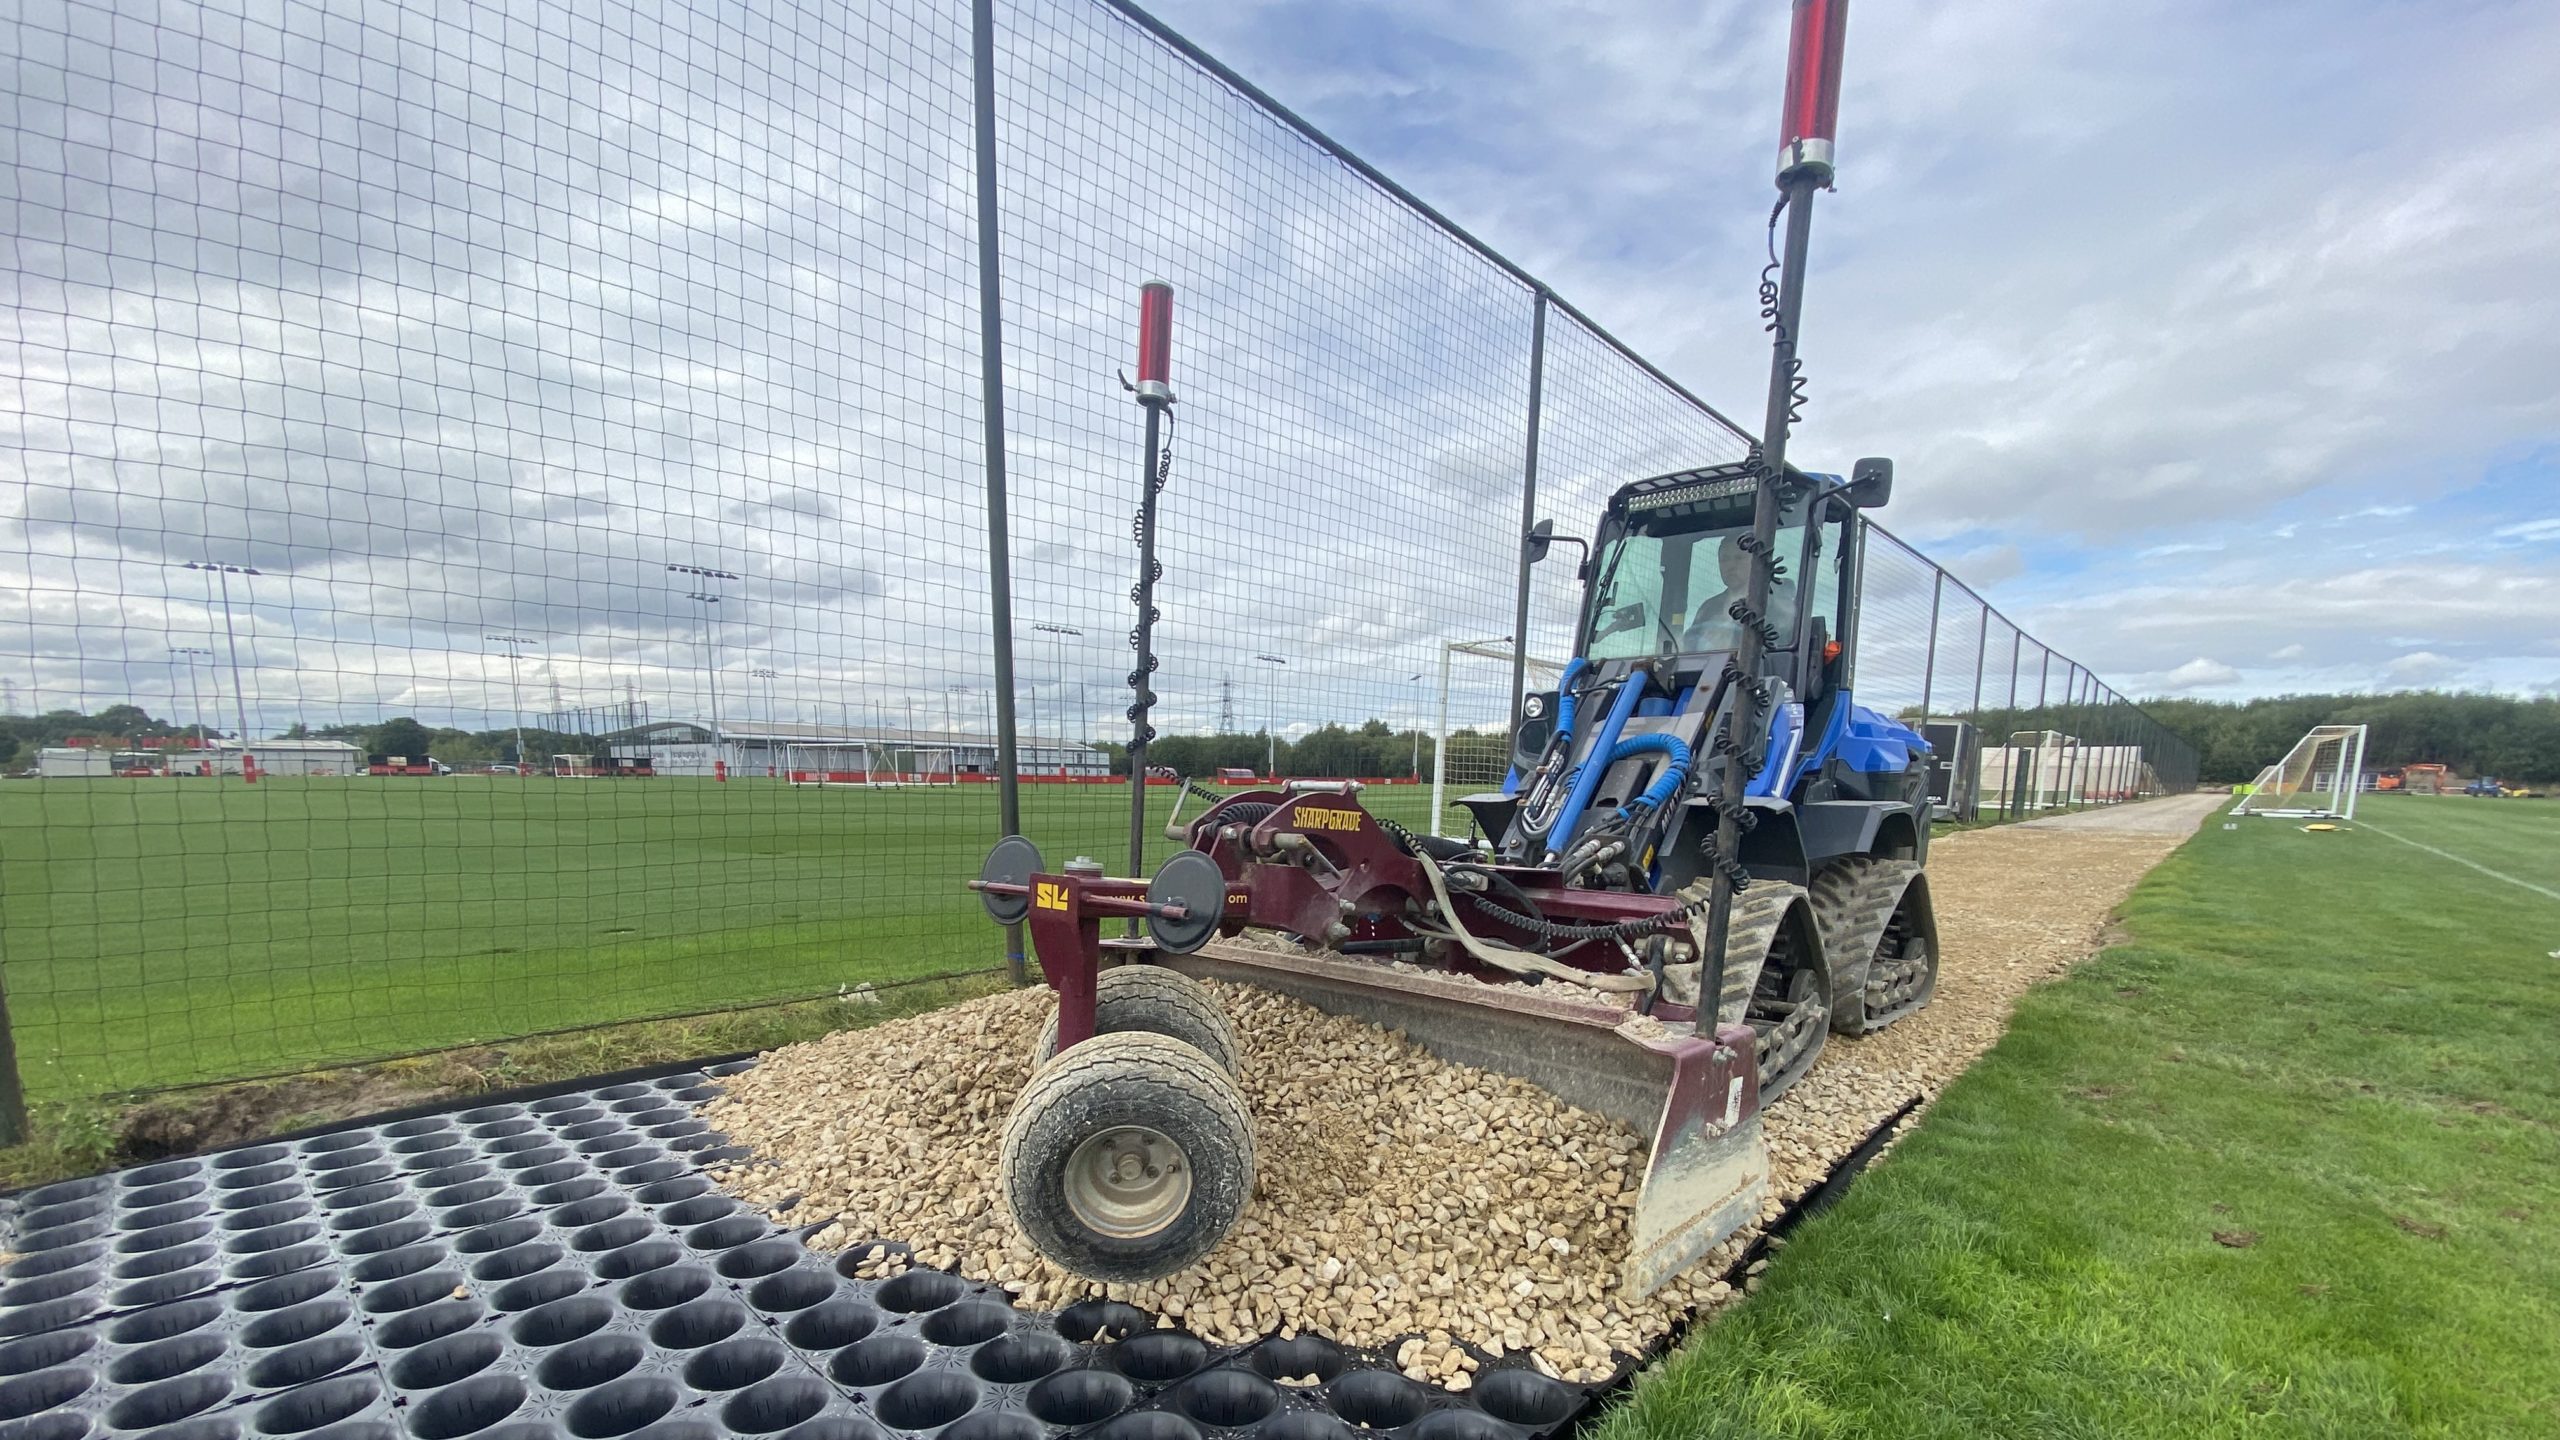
2316 780
1473 752
572 767
877 764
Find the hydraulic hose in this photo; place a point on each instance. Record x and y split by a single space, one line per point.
1664 785
1587 776
1565 705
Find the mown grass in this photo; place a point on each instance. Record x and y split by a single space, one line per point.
172 932
80 1137
2280 1163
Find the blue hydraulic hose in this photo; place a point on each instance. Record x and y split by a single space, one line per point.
1664 784
1564 696
1587 779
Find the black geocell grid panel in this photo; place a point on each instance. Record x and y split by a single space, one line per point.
564 1268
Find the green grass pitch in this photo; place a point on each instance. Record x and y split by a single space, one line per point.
165 932
2277 1164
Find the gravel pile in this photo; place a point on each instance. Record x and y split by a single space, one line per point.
1405 1203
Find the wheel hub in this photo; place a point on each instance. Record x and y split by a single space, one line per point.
1128 1182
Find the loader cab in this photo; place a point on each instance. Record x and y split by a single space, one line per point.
1669 563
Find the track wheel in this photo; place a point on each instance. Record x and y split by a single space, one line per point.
1156 1001
1129 1158
1791 1013
1904 973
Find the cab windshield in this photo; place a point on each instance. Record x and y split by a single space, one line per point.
1667 585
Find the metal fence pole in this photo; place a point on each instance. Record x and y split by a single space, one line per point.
13 1090
1929 665
982 48
1981 643
1528 517
2074 711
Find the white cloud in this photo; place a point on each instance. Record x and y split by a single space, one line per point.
2419 669
1987 565
2547 529
2200 673
2287 652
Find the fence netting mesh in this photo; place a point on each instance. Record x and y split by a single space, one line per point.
501 492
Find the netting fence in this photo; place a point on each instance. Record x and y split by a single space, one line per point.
415 407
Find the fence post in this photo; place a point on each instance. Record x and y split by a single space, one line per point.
982 58
1929 665
13 1090
1981 643
1528 517
2075 705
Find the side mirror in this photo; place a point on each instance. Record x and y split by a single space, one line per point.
1870 483
1542 537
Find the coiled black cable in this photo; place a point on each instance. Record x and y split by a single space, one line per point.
1769 290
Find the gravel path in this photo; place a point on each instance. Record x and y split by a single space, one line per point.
2177 815
1406 1203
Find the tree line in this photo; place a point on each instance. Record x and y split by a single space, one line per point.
2471 733
132 727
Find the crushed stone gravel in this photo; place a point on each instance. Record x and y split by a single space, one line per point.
1405 1204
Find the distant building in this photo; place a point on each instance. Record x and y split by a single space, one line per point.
761 748
286 757
70 762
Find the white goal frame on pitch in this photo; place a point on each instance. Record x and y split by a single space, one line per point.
573 767
2282 789
858 774
913 772
1537 673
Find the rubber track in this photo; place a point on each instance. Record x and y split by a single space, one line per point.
1853 900
1158 1001
1757 913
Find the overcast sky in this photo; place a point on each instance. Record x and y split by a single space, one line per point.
2218 344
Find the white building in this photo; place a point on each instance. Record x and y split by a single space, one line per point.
70 762
288 757
755 749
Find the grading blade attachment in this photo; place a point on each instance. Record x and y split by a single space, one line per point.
1696 1099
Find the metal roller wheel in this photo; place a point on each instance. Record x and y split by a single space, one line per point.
1128 1159
1154 1000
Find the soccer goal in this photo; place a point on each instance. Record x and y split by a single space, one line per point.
572 767
827 762
2316 780
1471 743
914 765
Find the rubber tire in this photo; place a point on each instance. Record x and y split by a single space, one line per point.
1156 1001
1128 1078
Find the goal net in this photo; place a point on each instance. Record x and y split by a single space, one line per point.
572 767
914 765
2317 778
868 762
830 762
1471 732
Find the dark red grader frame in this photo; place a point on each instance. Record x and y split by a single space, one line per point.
1310 861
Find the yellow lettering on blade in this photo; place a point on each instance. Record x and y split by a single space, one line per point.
1309 818
1049 895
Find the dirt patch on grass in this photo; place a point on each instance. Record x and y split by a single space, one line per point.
1404 1202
